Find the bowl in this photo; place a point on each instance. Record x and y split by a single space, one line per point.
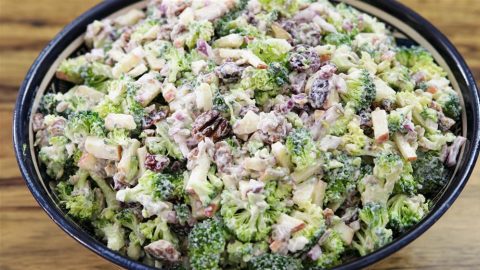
408 27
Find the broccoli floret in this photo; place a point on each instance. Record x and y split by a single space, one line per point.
398 78
373 233
429 172
110 231
338 39
48 104
151 191
128 219
271 49
206 244
450 104
269 261
250 219
55 156
71 69
354 140
340 126
312 216
407 184
80 71
418 59
278 194
221 24
360 89
156 229
239 254
341 173
265 82
388 166
332 249
79 200
163 144
198 30
286 7
236 25
404 211
83 124
398 118
183 214
203 183
108 193
301 148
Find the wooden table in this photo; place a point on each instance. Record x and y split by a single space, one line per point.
30 240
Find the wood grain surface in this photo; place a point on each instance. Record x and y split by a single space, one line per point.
30 240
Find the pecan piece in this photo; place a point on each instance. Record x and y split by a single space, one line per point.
211 124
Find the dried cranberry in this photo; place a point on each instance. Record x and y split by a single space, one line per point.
153 117
156 163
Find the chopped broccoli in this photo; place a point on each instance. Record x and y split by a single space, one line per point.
450 103
221 25
404 211
269 261
265 82
332 249
312 216
239 254
48 104
80 199
54 156
340 126
286 7
156 229
163 144
418 59
373 233
206 243
271 49
183 214
407 184
388 166
80 71
301 148
360 89
250 219
398 78
83 124
341 178
429 172
198 30
151 191
128 219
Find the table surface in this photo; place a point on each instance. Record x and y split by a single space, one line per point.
29 239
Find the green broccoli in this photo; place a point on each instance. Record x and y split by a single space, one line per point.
286 7
80 71
404 211
271 50
83 124
269 261
429 172
418 59
222 24
128 219
55 156
48 104
113 233
250 219
239 254
397 120
183 214
388 166
151 191
312 216
407 184
450 103
198 30
332 249
373 233
341 173
360 90
266 83
162 144
398 78
155 229
301 148
206 244
78 199
340 126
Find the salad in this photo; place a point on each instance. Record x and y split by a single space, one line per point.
235 134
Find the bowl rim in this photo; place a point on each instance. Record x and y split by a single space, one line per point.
103 9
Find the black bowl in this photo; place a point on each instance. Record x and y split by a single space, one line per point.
408 27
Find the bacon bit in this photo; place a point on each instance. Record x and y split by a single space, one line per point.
325 58
432 90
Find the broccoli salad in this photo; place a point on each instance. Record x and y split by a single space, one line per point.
236 134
